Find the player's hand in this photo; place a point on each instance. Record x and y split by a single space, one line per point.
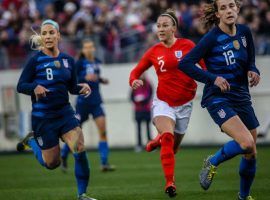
91 77
254 78
136 84
222 83
40 92
86 90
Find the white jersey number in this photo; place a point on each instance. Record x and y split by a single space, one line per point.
161 65
229 57
49 74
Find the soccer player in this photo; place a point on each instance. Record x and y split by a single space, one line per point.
172 106
48 77
228 52
88 71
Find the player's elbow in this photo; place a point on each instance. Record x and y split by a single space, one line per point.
19 88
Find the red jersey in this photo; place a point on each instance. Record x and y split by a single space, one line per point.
174 87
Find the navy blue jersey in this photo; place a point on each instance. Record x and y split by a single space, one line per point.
228 56
85 67
57 74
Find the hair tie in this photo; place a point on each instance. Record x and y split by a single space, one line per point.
166 14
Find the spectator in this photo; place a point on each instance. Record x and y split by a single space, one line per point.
142 98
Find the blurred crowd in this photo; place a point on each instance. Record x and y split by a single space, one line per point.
121 29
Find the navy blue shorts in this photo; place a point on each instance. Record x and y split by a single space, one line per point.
48 131
83 111
221 112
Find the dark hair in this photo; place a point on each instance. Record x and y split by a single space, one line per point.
209 18
81 55
171 14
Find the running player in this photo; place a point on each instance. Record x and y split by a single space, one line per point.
228 51
88 71
48 77
172 106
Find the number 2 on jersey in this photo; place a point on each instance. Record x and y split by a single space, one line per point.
49 74
161 64
229 57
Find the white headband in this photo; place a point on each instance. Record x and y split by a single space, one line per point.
165 14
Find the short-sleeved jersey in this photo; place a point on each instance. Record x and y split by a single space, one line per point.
228 56
174 87
58 75
85 67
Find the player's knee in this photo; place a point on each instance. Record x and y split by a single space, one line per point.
248 145
53 164
80 148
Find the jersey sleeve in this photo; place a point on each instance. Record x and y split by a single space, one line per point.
73 87
251 53
201 63
142 66
188 64
26 83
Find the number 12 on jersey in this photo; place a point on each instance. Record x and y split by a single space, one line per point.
229 57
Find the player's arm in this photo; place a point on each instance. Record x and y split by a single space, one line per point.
188 63
74 87
253 72
136 72
201 63
26 83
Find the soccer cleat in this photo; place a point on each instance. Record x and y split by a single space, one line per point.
153 144
85 197
170 189
23 145
207 173
247 198
107 168
64 165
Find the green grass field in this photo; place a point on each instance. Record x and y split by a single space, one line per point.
138 177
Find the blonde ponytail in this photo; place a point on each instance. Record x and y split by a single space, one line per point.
35 41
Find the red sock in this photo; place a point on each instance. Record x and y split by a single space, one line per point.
167 156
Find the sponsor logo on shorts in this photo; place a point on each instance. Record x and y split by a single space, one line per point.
221 113
40 141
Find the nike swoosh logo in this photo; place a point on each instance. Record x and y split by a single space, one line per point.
160 57
225 47
46 65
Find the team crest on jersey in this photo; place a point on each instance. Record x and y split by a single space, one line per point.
244 41
65 62
221 113
236 44
40 141
57 64
178 54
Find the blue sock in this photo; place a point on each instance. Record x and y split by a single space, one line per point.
37 151
64 152
228 151
247 170
103 152
82 171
